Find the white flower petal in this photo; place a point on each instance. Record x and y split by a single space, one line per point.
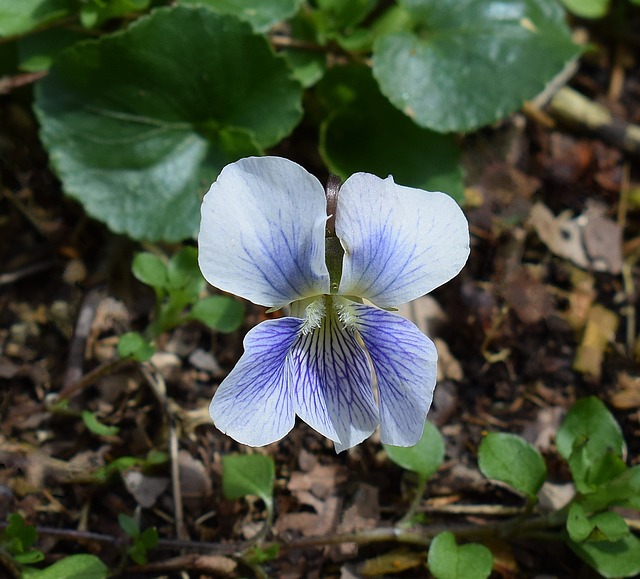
262 232
331 384
399 242
253 404
405 362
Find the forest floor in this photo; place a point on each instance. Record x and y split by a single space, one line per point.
544 313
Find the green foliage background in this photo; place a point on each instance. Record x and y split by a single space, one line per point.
144 102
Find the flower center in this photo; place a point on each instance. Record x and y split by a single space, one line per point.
325 309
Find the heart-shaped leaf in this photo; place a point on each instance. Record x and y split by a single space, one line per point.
447 560
591 441
467 63
607 526
618 559
512 460
366 133
248 474
138 123
425 457
260 14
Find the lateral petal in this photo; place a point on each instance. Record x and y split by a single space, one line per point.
253 403
400 242
332 383
405 362
262 232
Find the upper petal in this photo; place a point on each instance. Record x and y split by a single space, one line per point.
405 362
399 242
331 383
262 232
253 404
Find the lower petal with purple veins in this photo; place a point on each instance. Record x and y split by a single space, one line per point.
253 404
331 382
405 363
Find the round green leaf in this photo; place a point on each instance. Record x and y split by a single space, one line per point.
618 559
183 268
248 474
366 133
425 457
138 123
591 441
150 269
133 345
468 63
512 460
447 560
260 14
220 313
587 8
20 16
71 567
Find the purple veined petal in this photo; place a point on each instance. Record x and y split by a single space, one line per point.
332 384
262 232
405 362
253 403
399 242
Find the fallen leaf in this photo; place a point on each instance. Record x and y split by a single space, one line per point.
600 330
602 240
561 234
529 298
395 561
145 489
627 395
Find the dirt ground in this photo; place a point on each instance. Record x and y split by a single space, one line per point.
545 312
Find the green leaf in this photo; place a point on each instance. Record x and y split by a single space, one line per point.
155 457
447 560
133 345
607 526
149 537
260 14
128 525
591 441
512 460
71 567
139 123
29 558
623 490
468 63
20 16
220 313
248 474
95 13
339 14
425 457
150 269
618 559
308 66
20 536
587 8
37 51
366 133
183 270
95 426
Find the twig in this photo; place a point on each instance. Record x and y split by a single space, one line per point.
95 374
82 331
9 83
156 381
575 109
13 276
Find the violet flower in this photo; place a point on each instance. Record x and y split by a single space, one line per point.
342 366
